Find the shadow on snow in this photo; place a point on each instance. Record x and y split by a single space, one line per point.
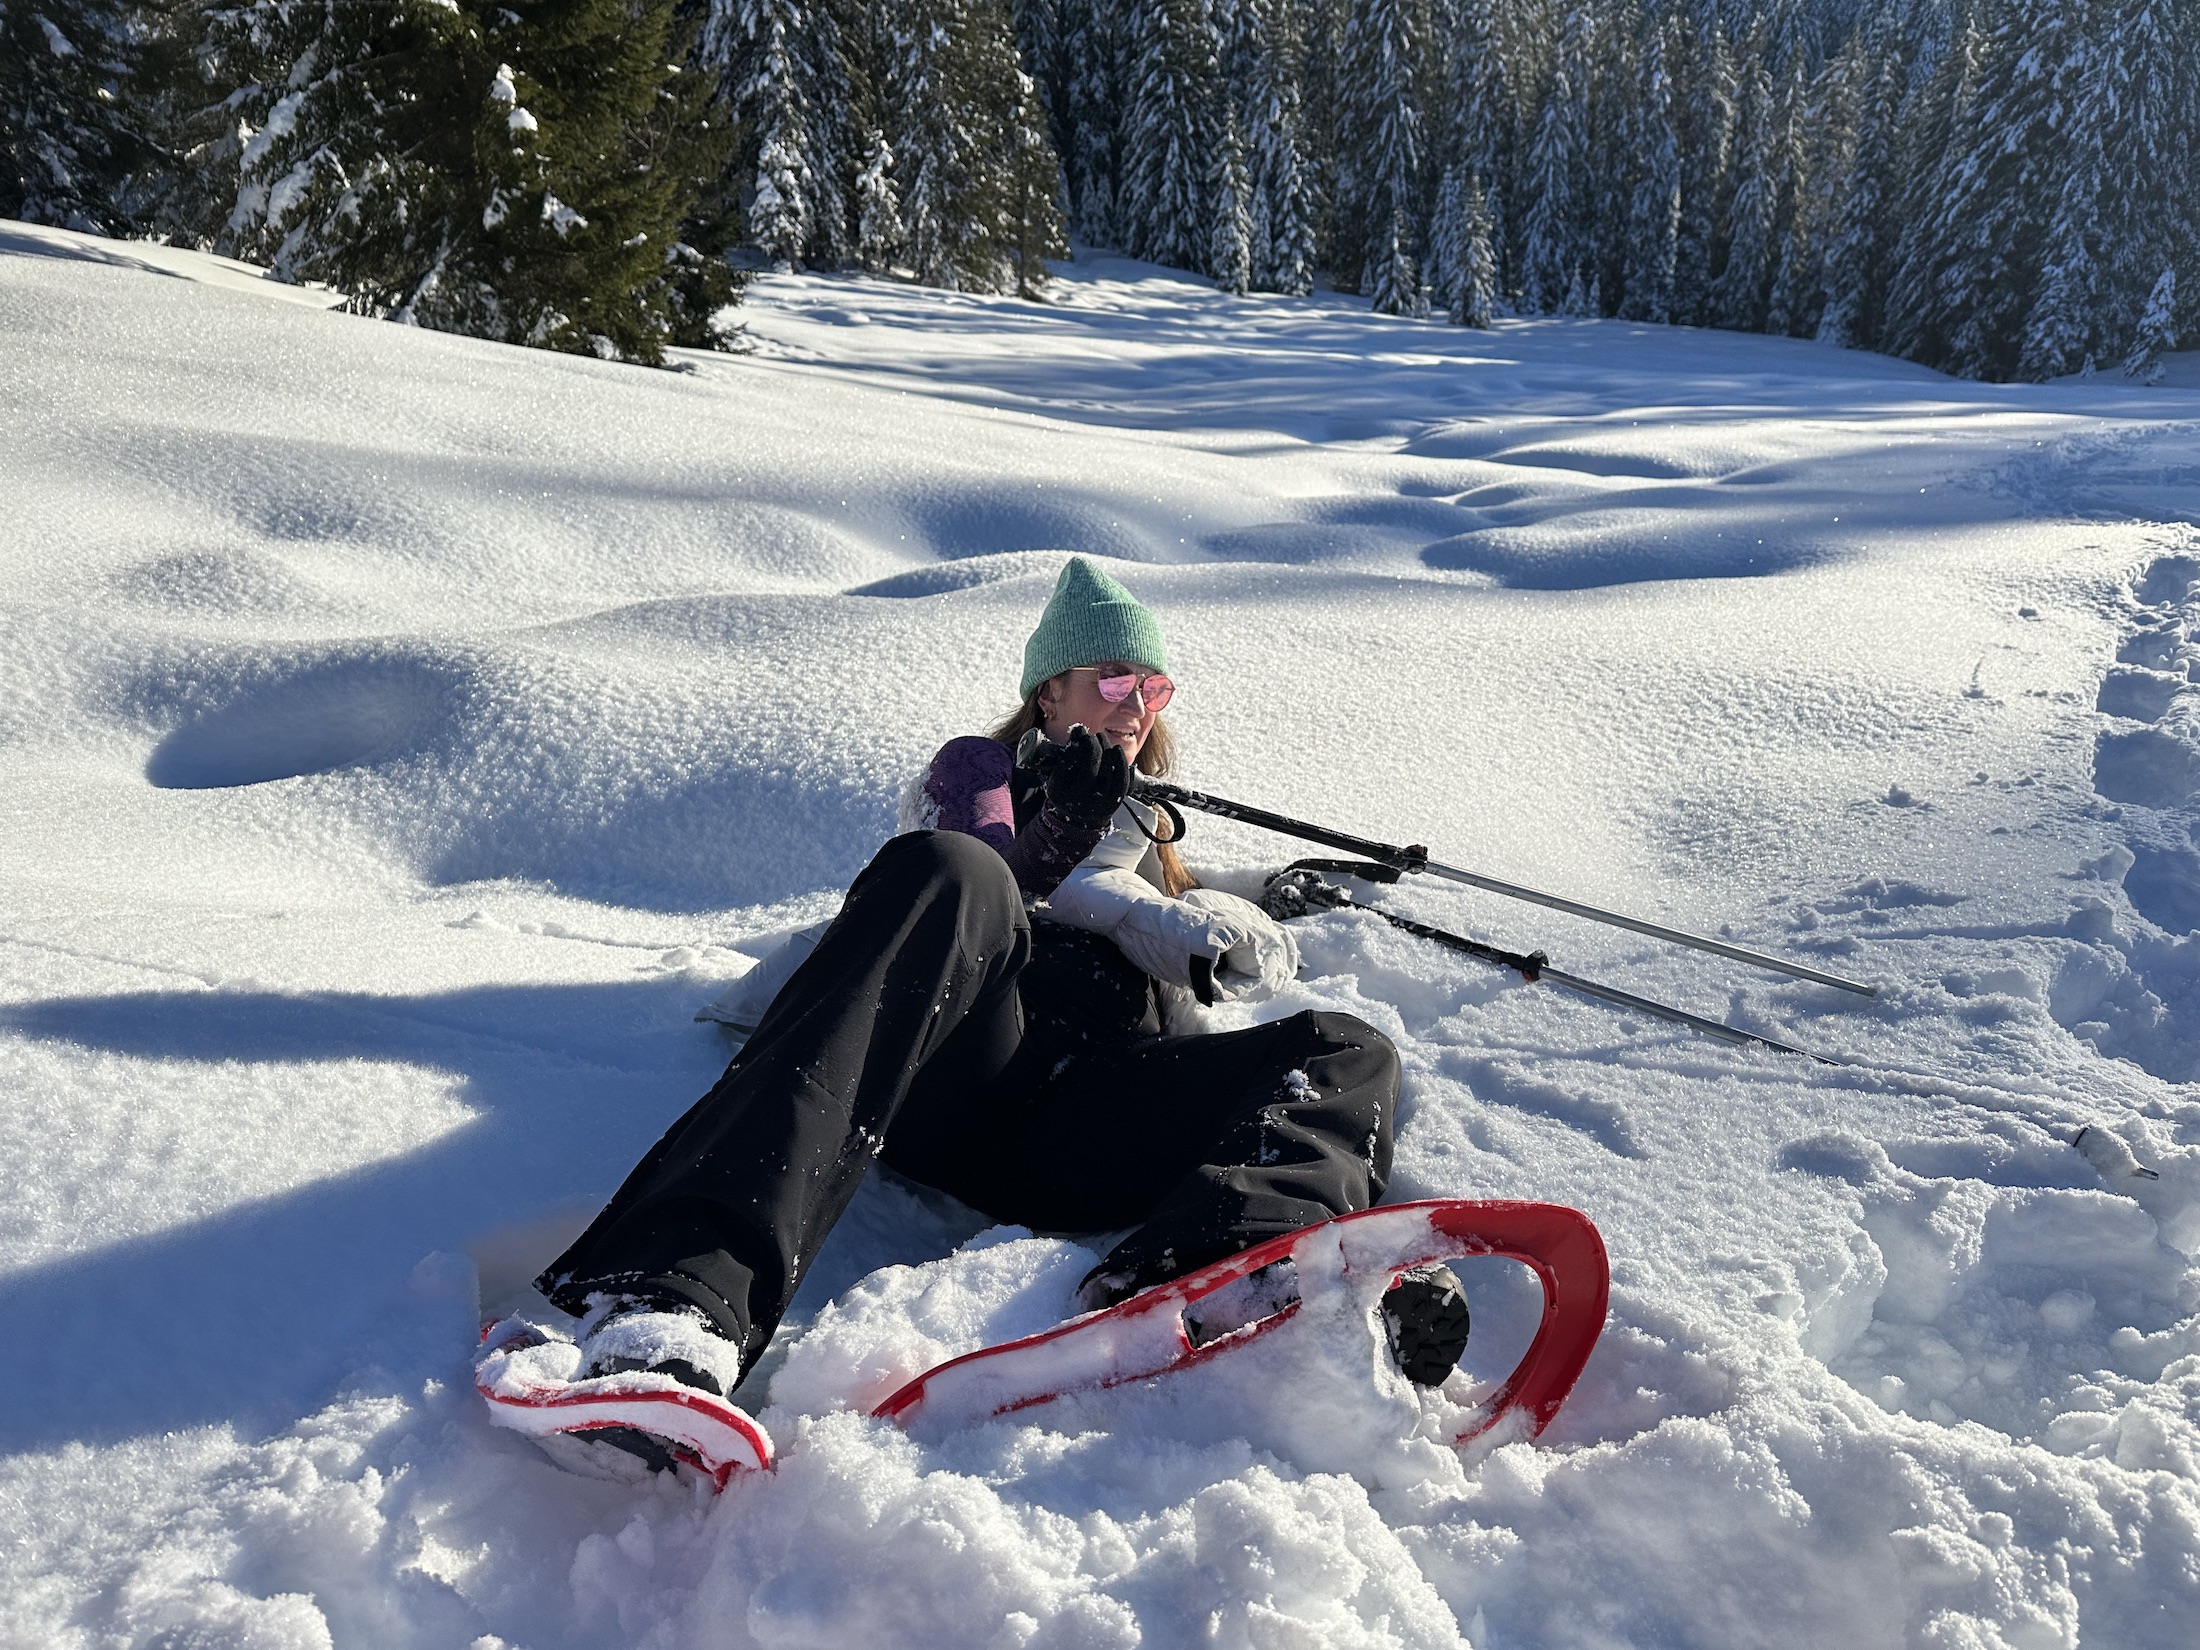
254 1315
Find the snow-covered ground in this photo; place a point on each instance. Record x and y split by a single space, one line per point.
401 736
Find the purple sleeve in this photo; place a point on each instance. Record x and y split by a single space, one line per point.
969 789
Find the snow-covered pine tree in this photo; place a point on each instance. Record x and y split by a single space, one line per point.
1033 178
1493 204
1169 119
599 194
1821 123
1528 35
2064 328
1092 34
1551 242
2001 191
1464 245
1236 26
1392 279
783 64
1705 108
1610 165
2156 334
879 231
1652 240
2064 323
1038 28
1935 120
524 178
1474 297
1440 265
1286 194
970 147
1320 53
846 111
1381 148
1576 302
2137 124
935 147
1468 130
1230 192
761 48
74 145
1287 190
1261 59
1855 276
1977 204
1476 115
1039 52
339 141
1753 219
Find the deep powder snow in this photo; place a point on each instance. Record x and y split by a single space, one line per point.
401 737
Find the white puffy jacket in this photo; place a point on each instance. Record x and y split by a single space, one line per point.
1116 890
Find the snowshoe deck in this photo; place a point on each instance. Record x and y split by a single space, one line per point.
1163 1328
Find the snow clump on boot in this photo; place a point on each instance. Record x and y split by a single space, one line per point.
629 1336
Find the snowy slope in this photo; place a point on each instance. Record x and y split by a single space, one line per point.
401 736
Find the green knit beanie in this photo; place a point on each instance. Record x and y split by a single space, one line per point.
1090 617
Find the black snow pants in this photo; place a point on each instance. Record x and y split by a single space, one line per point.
1038 1090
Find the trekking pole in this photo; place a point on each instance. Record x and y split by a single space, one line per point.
1301 886
1415 860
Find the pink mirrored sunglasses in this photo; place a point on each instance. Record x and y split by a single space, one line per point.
1154 690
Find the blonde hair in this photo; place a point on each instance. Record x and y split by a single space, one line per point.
1154 759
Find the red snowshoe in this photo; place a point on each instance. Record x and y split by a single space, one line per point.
1222 1307
527 1373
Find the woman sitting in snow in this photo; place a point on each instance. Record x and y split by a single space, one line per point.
996 1012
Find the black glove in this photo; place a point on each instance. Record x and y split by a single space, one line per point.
1087 779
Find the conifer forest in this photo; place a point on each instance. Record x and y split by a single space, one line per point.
2002 189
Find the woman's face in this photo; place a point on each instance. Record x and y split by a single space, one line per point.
1074 697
